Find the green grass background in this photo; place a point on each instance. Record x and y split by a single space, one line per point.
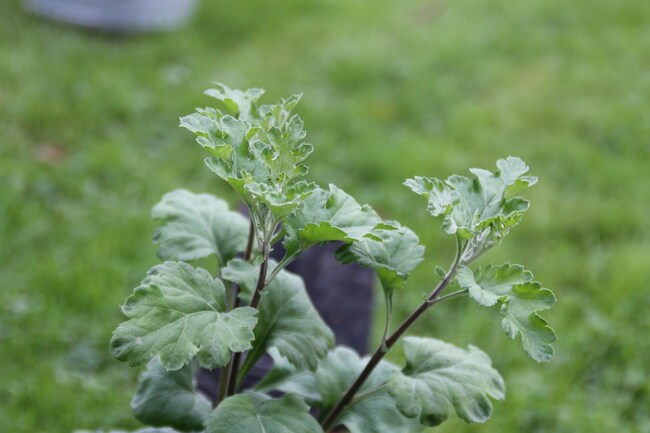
89 142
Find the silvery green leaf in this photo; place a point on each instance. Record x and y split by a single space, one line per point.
178 312
339 370
287 320
260 151
373 413
237 101
168 398
285 377
254 412
287 149
440 378
276 115
281 202
483 208
439 195
234 154
327 216
196 226
393 252
520 298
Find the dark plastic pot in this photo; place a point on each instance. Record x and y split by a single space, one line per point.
116 15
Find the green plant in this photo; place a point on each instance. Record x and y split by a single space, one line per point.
181 317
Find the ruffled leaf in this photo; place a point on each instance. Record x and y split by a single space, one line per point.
168 398
482 209
375 412
260 150
393 252
520 298
196 226
179 312
440 378
254 412
287 319
327 216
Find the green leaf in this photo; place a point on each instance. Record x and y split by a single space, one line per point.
285 377
257 413
440 377
482 208
439 195
520 298
327 216
260 152
374 412
393 252
239 102
287 319
196 226
178 312
281 202
168 398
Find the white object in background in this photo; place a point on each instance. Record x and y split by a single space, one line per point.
116 15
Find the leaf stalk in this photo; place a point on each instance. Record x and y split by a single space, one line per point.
386 345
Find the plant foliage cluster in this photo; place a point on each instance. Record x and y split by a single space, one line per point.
181 316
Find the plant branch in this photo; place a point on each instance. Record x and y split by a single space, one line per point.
388 303
234 368
385 346
223 383
225 377
247 256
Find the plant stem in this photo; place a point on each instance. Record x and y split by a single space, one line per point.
388 303
224 374
261 279
226 371
386 345
247 257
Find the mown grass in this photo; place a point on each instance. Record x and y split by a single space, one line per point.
88 142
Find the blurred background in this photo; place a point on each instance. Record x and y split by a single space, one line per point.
89 142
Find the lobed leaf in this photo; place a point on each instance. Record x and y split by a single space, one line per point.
520 298
393 252
377 412
260 151
178 312
287 320
327 216
242 103
168 398
440 378
254 412
483 208
439 195
374 413
285 377
196 226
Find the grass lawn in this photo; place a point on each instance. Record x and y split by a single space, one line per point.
89 142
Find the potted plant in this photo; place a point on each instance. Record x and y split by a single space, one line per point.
183 316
